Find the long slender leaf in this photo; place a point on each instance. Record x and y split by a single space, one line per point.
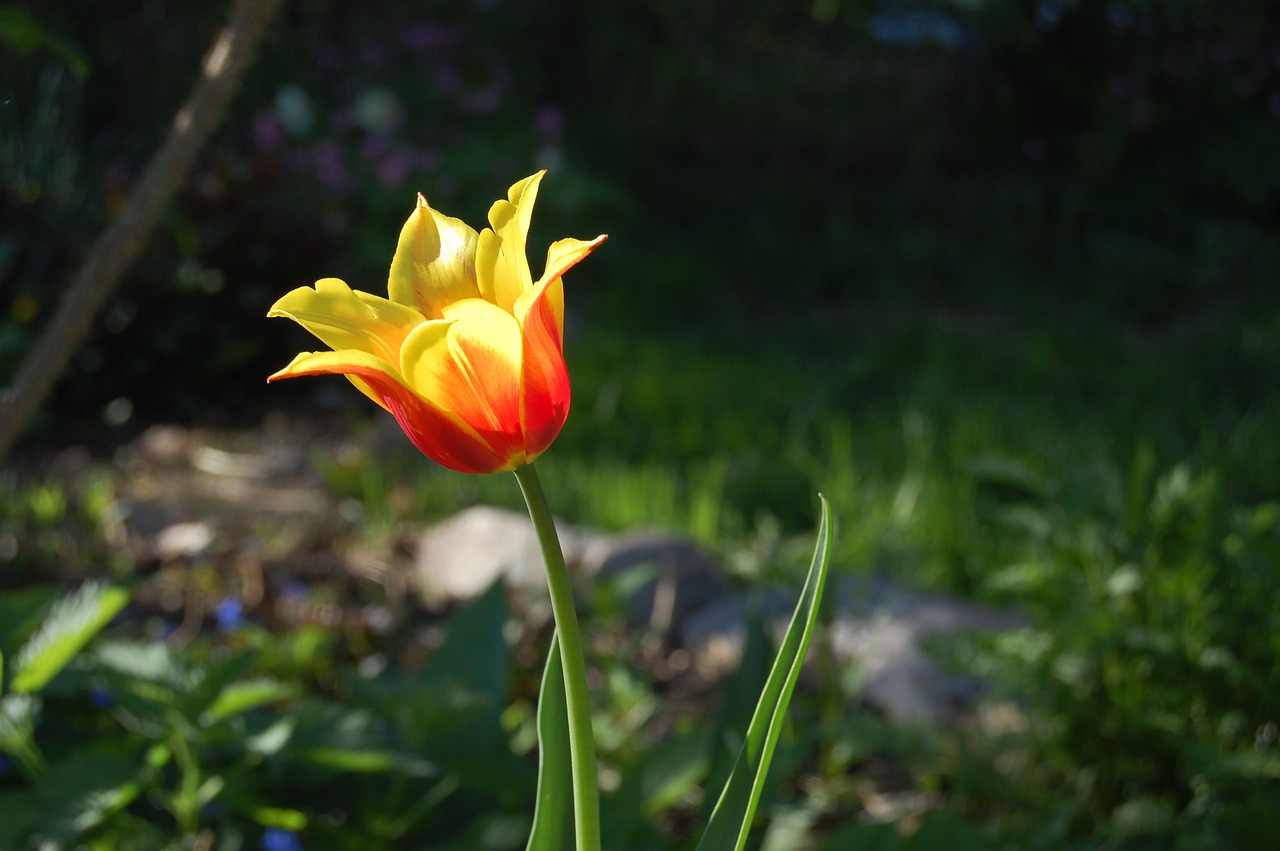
553 812
731 820
71 624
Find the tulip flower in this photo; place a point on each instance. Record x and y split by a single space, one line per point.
467 352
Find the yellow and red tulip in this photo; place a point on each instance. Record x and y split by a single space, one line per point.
467 353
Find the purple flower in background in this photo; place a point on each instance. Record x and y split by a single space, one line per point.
278 839
267 131
330 170
550 124
343 117
394 168
294 590
483 100
331 58
419 38
488 97
230 614
448 80
375 147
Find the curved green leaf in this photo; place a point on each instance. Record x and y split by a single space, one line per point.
71 624
553 813
731 820
240 697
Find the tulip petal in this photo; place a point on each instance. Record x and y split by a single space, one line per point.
468 364
564 254
434 432
544 397
434 263
502 268
348 362
561 256
344 318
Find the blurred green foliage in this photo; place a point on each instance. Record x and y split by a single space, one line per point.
143 746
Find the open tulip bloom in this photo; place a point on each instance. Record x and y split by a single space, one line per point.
467 353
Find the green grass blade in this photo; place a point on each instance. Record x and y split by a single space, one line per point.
72 623
731 820
553 813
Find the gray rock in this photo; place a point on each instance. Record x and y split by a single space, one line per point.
716 634
883 629
461 556
665 578
878 627
674 586
898 678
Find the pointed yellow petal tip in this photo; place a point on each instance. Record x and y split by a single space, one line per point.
526 188
289 370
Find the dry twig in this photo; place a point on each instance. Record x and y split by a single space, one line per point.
123 240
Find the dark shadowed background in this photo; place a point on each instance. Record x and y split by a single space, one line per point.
757 164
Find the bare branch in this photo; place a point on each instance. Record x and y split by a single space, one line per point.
123 240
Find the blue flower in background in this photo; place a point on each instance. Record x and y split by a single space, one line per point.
101 697
6 767
230 614
277 839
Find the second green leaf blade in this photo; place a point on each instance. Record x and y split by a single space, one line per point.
731 820
553 814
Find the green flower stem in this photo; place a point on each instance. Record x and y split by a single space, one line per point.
582 757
